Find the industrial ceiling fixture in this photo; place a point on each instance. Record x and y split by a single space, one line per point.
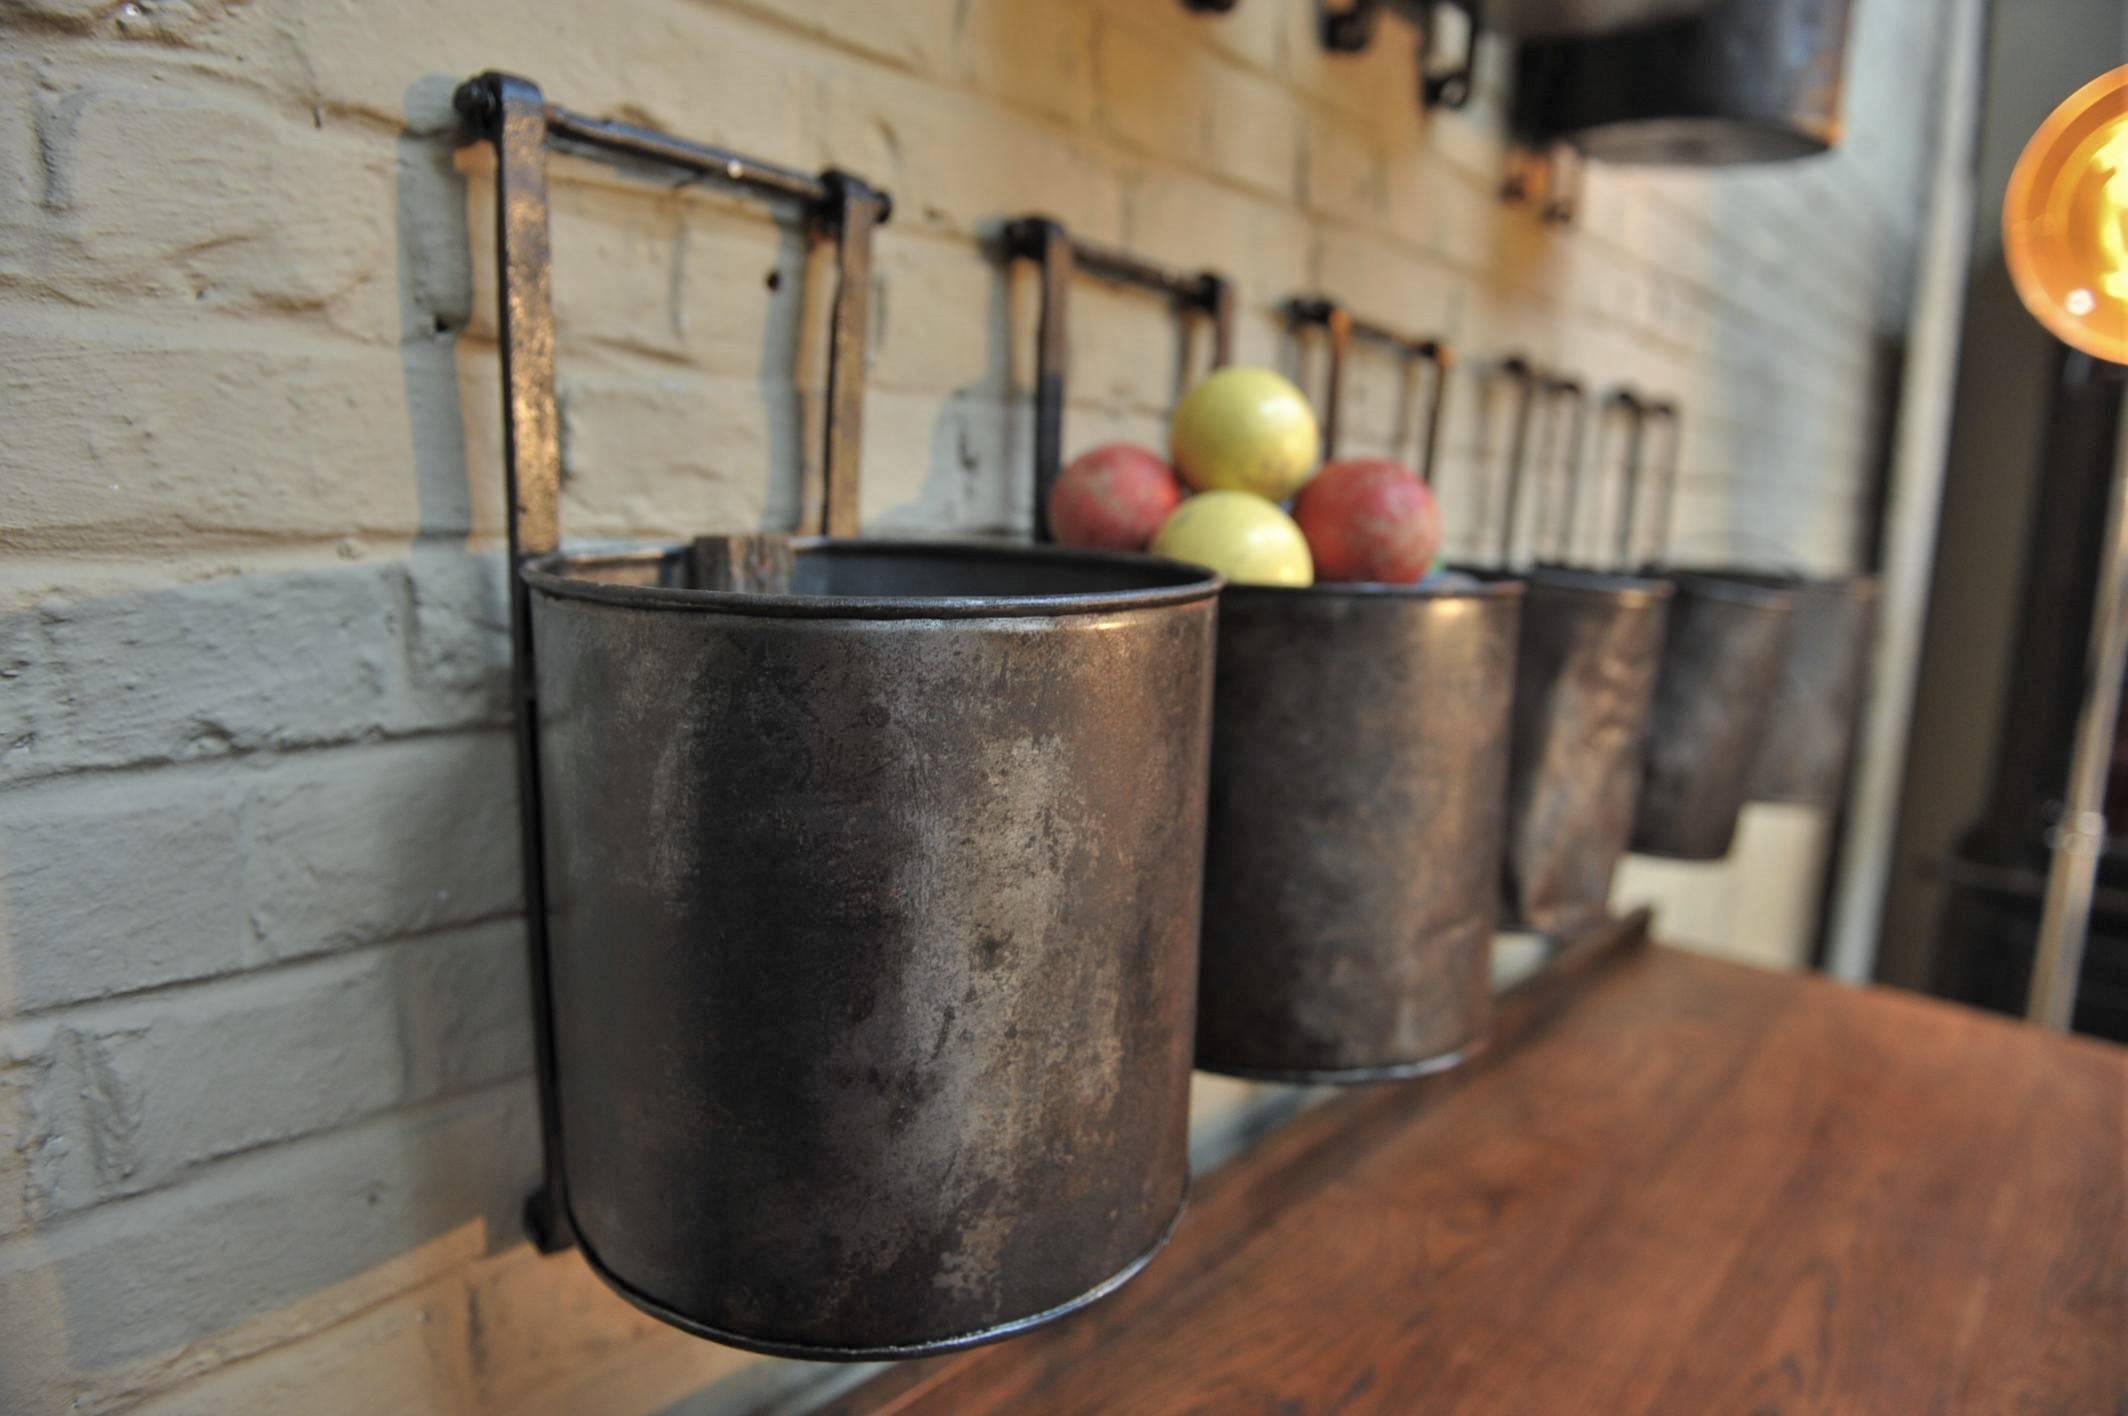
1729 82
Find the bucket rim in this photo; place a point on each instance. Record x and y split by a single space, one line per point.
1861 586
1478 588
1167 583
1735 585
1616 586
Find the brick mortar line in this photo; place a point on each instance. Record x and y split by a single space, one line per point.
208 1171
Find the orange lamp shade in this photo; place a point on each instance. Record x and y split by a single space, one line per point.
2065 220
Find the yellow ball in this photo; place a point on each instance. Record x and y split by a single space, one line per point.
1245 430
1240 535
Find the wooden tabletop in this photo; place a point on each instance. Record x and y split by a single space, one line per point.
1701 1188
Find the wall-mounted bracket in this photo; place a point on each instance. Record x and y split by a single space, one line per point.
1059 256
1445 80
1550 177
1340 328
512 114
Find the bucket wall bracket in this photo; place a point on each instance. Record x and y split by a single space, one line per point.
1340 328
511 114
1059 256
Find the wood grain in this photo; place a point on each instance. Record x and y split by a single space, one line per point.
1702 1189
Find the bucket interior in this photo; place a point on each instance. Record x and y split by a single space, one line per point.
853 573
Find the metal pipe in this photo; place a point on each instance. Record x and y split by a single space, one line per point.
2072 872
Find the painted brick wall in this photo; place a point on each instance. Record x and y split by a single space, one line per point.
264 1113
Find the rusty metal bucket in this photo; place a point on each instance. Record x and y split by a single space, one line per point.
1584 685
1721 669
1722 666
872 917
862 879
1359 771
1359 763
1810 733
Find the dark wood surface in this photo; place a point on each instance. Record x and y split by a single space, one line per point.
1702 1188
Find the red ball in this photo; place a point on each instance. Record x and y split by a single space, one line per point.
1113 498
1366 518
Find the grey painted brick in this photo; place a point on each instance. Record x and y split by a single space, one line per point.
124 1098
259 662
118 883
148 1291
365 845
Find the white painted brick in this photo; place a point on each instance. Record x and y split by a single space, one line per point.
681 276
1254 136
914 140
122 442
1196 224
1347 174
678 453
338 385
918 33
248 210
1032 56
1193 108
944 315
966 463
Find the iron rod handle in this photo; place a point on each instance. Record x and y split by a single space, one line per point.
1665 411
1058 256
1518 371
1569 392
1634 409
513 115
1341 327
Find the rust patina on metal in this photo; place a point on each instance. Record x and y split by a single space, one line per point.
1359 772
1585 674
862 904
873 921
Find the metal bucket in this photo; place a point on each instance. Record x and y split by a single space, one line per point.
1592 645
1722 664
1359 767
1584 684
1810 734
873 916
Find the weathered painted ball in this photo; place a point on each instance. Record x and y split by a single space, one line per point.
1245 538
1245 430
1367 518
1113 498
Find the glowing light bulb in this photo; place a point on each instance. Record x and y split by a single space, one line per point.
2065 220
